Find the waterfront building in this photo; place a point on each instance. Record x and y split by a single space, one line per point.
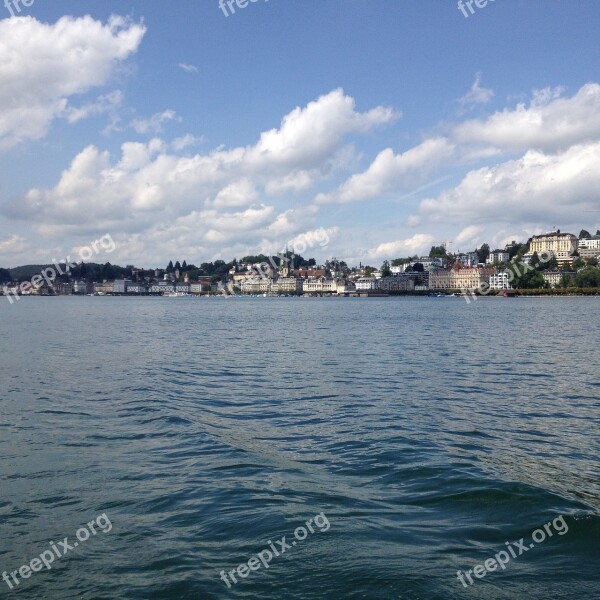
106 287
500 281
256 285
63 289
162 287
81 287
120 286
319 286
396 284
554 278
287 285
137 288
365 284
200 287
459 278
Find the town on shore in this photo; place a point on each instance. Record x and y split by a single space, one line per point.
548 263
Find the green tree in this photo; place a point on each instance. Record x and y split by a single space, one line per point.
184 266
437 252
483 253
170 267
385 269
592 262
178 265
578 263
565 281
588 277
584 234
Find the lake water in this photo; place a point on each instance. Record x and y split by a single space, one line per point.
429 432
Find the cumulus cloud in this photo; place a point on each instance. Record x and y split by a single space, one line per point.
78 55
550 123
536 186
417 244
469 236
391 172
206 200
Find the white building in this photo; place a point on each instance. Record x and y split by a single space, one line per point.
399 269
498 256
320 286
162 287
500 281
592 244
366 284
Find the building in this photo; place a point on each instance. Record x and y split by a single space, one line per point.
307 273
81 287
103 288
554 278
562 245
256 285
120 286
320 286
63 289
592 243
200 287
396 284
396 270
287 285
498 256
137 288
500 281
468 259
460 278
162 287
589 248
366 284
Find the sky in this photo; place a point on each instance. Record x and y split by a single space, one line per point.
363 130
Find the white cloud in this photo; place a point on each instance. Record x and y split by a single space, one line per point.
185 141
188 68
236 194
550 123
469 236
155 123
391 172
476 95
106 103
417 244
78 55
537 187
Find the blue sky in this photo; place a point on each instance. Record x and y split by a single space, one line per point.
390 125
